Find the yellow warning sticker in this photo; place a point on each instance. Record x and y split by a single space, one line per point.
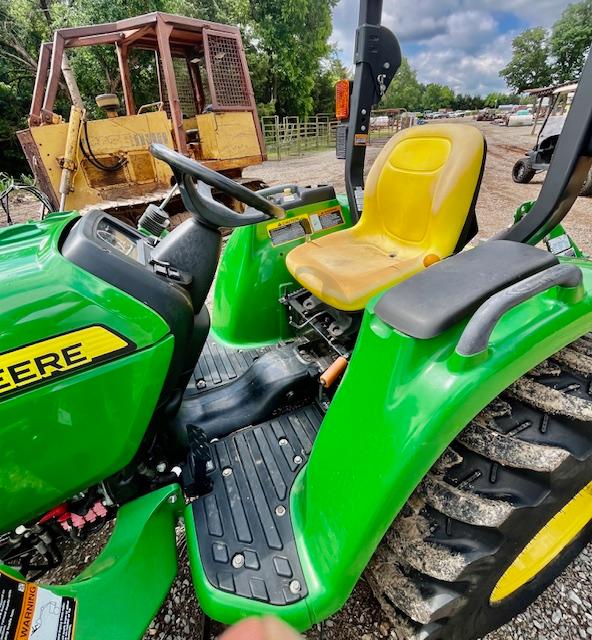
29 612
48 359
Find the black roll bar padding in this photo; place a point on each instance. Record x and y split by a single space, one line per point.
475 337
370 12
567 172
377 58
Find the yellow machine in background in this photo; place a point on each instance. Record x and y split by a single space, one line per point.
205 108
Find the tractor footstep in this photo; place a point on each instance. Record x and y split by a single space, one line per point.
218 365
244 531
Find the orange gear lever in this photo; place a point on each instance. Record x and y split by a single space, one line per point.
333 371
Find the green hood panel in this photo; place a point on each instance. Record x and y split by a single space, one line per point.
42 294
70 429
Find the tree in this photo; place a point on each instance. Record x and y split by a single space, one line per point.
13 104
571 39
529 66
22 29
437 96
323 92
496 98
404 91
294 37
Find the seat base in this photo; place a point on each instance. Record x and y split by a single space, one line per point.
244 531
345 270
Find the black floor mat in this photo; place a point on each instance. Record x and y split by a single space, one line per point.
244 530
219 365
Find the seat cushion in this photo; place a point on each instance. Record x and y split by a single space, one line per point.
418 204
449 291
345 270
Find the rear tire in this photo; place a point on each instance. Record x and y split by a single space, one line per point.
586 189
522 171
516 466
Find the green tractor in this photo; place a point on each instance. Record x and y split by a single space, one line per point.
369 398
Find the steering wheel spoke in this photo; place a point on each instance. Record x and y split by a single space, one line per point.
198 198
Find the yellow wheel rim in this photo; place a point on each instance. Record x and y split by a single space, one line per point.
548 543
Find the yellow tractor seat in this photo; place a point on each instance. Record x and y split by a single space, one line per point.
418 204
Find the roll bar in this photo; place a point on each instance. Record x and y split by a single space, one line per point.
377 57
569 166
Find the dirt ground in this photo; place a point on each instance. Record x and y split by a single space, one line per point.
565 610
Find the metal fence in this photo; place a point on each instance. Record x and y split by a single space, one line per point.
384 123
293 136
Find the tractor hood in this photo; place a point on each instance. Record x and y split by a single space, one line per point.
75 399
42 293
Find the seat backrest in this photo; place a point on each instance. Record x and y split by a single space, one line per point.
423 186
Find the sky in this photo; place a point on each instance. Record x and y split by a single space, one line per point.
461 43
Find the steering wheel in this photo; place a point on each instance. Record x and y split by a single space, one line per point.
198 199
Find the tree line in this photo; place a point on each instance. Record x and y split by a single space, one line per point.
408 93
542 57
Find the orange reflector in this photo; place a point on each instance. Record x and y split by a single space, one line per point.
342 99
430 259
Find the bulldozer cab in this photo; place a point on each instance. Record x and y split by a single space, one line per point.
203 106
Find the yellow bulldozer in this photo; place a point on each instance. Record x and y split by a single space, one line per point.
204 107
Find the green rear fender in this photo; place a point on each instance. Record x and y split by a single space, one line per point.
400 404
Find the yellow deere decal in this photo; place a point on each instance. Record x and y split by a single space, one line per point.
56 356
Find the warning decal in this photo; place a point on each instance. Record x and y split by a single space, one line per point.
28 612
361 140
326 219
288 229
304 224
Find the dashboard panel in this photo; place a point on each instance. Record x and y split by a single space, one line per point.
119 239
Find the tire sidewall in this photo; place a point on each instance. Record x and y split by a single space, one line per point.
518 531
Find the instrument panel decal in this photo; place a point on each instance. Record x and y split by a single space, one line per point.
305 224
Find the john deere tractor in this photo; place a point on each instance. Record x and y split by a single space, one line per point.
371 395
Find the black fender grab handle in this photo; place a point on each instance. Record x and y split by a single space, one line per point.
475 337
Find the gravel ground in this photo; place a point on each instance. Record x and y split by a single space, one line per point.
564 611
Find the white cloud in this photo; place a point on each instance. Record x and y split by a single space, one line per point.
463 43
420 19
542 13
466 30
472 72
